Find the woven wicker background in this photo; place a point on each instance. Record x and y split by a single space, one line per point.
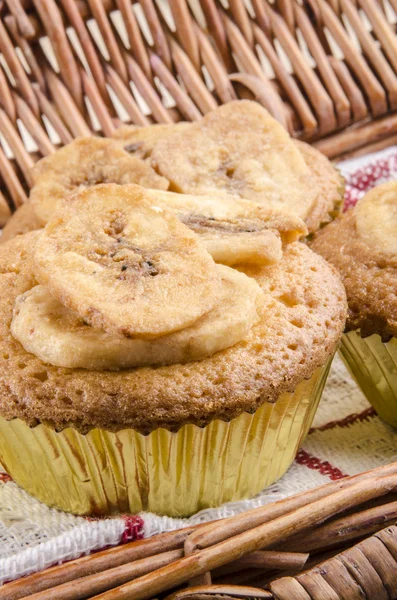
70 67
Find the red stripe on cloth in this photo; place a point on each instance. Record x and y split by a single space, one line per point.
365 178
316 464
133 529
5 478
349 420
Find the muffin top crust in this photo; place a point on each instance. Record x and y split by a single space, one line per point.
300 324
22 221
330 185
362 245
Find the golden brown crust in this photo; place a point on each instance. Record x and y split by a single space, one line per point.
370 280
22 221
330 185
302 322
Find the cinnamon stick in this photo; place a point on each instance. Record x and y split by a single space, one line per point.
262 536
215 532
220 591
265 560
96 563
85 587
357 137
344 530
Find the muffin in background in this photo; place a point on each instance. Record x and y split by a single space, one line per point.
362 245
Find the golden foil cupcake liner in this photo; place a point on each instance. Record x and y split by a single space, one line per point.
373 364
175 474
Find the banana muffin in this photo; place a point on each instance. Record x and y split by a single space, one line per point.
137 373
362 245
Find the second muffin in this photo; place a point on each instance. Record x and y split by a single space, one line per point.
362 245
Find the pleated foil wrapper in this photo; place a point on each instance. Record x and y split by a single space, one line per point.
373 364
176 474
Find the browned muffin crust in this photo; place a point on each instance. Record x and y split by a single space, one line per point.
330 185
370 280
303 319
22 221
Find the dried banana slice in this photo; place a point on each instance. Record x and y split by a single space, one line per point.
240 150
233 230
376 219
124 265
140 141
57 336
81 164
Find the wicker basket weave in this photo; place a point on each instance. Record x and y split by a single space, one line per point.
326 70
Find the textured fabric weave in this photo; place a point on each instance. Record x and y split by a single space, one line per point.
347 437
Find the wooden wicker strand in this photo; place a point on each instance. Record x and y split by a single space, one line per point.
12 136
313 97
375 92
11 181
383 70
72 12
36 130
16 68
28 50
24 25
321 101
356 97
334 88
51 18
6 100
382 28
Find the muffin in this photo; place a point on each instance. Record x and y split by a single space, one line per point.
362 245
139 374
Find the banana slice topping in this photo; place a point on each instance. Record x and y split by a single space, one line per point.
81 164
140 141
124 265
57 336
237 150
233 230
